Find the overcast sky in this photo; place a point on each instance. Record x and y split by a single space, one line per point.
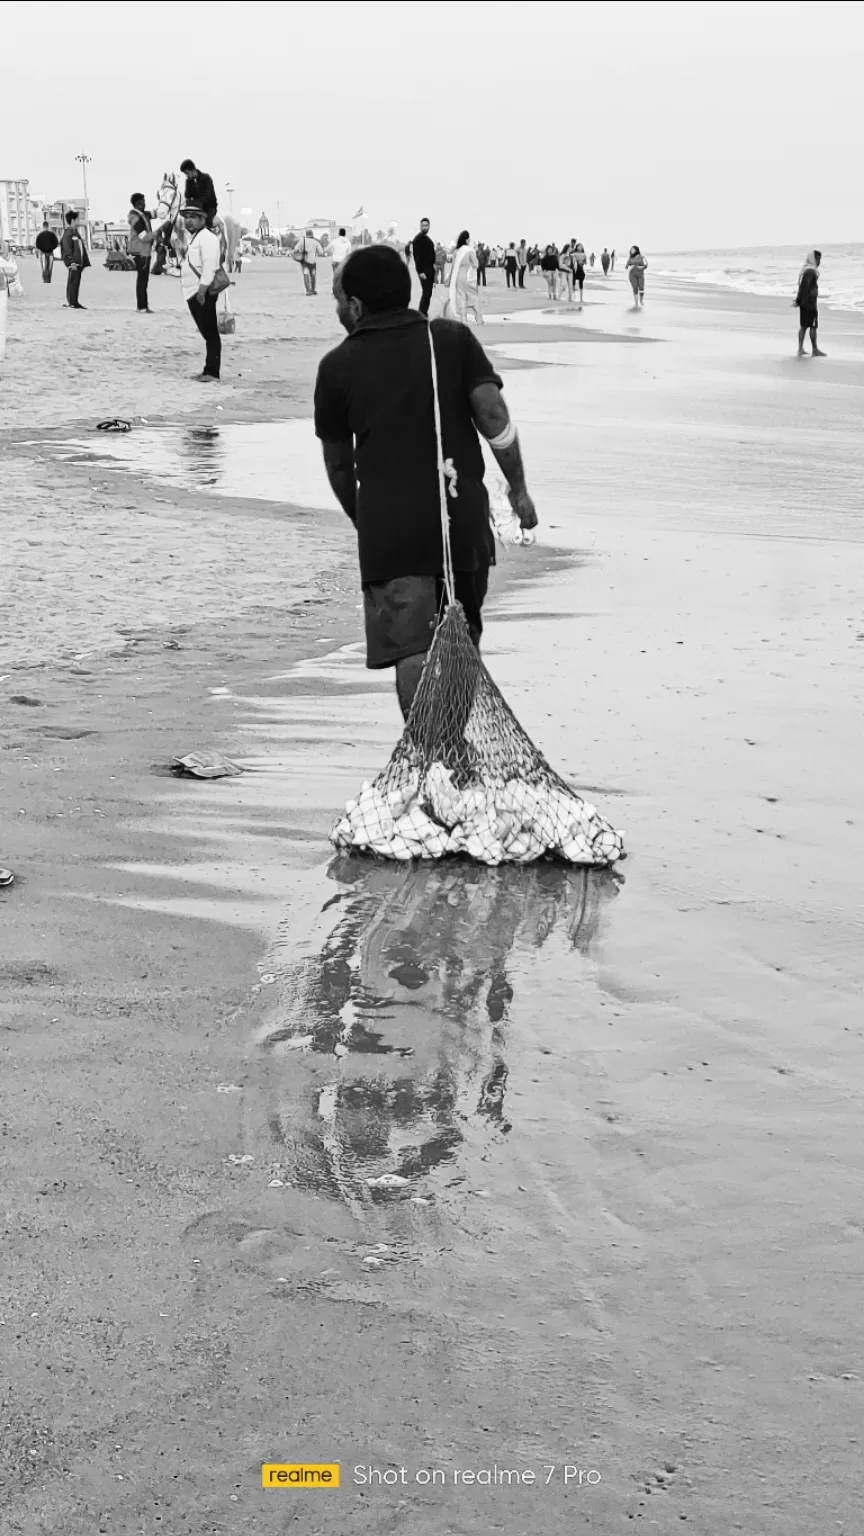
677 126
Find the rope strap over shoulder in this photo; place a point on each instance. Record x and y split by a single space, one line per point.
449 580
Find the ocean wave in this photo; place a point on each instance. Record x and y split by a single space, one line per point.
845 293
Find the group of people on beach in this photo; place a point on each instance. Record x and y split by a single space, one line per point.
563 268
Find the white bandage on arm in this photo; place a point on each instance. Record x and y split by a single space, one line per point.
504 439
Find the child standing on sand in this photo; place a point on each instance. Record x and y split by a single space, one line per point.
636 265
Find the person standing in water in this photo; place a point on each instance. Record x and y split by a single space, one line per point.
604 262
374 416
612 261
636 265
511 263
807 302
578 256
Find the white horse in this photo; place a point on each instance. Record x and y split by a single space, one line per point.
167 215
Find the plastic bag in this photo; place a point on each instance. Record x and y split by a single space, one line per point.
225 317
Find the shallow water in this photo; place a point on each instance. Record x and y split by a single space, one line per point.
270 461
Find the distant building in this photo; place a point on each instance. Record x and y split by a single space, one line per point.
17 214
326 230
56 213
264 228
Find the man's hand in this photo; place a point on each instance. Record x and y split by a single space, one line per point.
492 418
74 266
201 294
523 507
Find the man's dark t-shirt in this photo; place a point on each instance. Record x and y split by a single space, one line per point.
201 191
377 388
47 242
423 251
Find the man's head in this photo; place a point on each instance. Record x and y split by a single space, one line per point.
309 235
194 218
137 201
424 226
370 282
44 223
188 167
72 217
817 257
342 233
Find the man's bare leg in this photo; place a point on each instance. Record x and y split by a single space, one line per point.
408 673
802 331
814 344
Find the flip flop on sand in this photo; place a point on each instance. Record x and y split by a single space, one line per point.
114 424
6 877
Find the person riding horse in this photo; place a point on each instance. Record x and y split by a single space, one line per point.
172 231
200 190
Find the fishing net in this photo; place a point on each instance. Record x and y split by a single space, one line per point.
465 778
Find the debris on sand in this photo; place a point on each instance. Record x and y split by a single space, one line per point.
204 765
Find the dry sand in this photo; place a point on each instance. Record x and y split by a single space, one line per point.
632 1112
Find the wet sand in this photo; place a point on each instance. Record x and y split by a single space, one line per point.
629 1239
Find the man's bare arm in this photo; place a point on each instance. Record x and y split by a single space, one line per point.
339 464
492 420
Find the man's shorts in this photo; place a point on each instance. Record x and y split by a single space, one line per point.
401 615
809 317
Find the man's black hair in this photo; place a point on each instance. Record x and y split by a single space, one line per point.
186 166
424 220
137 197
341 231
377 276
71 215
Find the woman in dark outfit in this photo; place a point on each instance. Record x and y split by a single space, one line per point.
549 266
807 301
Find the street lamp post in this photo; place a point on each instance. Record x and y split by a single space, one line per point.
230 190
84 161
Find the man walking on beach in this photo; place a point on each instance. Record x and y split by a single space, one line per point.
46 245
339 249
522 261
307 253
374 414
73 253
200 190
141 239
423 252
200 265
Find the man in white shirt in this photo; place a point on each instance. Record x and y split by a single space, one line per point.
307 253
200 264
340 248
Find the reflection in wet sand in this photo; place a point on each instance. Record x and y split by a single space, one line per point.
404 986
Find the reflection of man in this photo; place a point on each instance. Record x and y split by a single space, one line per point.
73 252
412 989
423 252
373 399
46 245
